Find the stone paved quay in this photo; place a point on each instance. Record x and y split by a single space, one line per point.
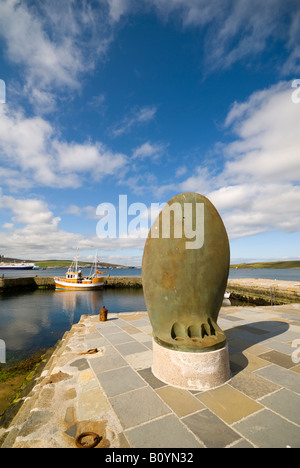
114 393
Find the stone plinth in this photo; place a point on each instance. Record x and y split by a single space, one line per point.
191 370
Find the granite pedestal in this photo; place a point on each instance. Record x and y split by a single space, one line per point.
191 370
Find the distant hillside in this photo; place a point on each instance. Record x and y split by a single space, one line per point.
67 263
275 265
61 263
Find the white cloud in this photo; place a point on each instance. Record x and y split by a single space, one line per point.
180 171
136 116
31 146
258 189
57 43
33 228
149 150
118 8
73 210
28 44
93 158
7 225
33 231
97 103
267 126
197 12
88 211
234 30
31 212
46 38
201 179
250 209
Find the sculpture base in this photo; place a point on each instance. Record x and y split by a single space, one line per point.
191 371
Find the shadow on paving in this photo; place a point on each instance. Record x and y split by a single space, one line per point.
243 337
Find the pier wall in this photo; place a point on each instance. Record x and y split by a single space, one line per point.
253 290
37 282
264 290
123 282
30 283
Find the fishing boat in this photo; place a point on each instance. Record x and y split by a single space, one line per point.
74 279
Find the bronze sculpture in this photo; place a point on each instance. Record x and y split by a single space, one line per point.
184 272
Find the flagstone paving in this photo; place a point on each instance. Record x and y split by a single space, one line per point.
113 391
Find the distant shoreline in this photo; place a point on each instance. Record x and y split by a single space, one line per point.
54 264
292 264
63 264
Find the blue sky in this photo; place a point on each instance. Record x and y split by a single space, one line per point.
148 98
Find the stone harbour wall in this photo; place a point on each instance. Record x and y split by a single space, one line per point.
271 291
30 283
37 282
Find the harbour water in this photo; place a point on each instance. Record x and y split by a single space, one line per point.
265 273
30 321
287 274
33 320
51 272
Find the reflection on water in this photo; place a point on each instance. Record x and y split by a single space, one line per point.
33 320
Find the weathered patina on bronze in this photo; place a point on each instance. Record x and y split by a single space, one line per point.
184 283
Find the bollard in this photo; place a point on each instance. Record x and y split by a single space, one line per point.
103 314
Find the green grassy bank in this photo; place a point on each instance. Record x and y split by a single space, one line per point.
275 265
16 381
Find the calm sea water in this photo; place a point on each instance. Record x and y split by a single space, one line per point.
51 272
279 274
33 320
30 321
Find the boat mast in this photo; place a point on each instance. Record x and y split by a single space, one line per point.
76 260
94 265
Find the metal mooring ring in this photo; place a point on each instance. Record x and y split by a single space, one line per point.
97 439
